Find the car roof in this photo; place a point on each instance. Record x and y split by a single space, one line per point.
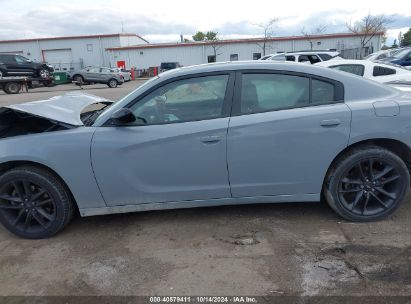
355 87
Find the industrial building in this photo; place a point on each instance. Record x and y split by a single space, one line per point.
131 50
73 52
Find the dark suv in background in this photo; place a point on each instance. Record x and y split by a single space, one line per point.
17 65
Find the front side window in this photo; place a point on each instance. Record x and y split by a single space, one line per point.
184 100
266 92
21 59
105 70
357 69
93 70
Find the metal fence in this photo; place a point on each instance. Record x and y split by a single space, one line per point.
356 53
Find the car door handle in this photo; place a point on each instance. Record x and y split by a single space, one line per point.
330 122
212 139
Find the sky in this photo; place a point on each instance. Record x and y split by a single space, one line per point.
164 21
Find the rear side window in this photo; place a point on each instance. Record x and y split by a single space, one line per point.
382 71
266 92
303 58
323 92
356 69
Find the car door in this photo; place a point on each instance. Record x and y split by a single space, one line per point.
92 74
178 150
22 66
284 133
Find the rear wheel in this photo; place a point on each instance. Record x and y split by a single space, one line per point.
34 203
12 87
367 184
112 83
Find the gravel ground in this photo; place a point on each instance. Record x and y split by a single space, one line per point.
271 249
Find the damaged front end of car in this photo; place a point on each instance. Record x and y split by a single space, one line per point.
55 114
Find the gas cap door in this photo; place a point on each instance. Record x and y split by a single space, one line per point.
386 108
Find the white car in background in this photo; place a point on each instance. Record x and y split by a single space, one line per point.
304 56
391 74
123 72
382 54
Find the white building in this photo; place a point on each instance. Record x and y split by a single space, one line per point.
131 50
71 52
149 55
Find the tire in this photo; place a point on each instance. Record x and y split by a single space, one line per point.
78 78
12 87
28 194
43 73
366 184
112 83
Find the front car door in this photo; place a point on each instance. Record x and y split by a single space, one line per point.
92 74
284 133
178 150
22 65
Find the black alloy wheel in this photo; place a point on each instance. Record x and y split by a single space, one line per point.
34 203
367 184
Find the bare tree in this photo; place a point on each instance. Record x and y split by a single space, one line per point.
268 31
368 27
315 31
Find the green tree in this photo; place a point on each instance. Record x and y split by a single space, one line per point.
368 27
394 45
211 37
406 38
199 36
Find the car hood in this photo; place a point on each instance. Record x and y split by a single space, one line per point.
65 109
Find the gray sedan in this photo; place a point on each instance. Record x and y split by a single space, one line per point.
219 134
90 75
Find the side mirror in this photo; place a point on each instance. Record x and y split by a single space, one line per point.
123 116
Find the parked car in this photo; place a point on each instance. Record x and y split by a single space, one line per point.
17 65
166 66
90 75
385 73
382 54
123 72
218 134
402 57
304 56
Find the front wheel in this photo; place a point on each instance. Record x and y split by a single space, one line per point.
34 203
44 73
112 83
367 184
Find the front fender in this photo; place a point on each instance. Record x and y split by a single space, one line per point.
66 152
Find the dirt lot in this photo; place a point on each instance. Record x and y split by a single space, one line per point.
272 249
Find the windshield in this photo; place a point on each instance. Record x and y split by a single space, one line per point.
401 54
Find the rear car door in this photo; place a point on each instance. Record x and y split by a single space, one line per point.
177 153
285 130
